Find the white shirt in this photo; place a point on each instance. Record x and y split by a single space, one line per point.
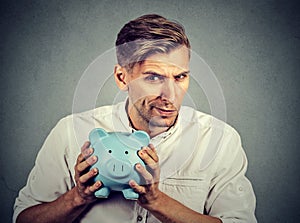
202 165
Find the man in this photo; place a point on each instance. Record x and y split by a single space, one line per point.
195 164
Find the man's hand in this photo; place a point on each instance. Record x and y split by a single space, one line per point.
84 175
71 204
149 192
163 207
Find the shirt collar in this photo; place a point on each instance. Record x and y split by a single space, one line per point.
122 113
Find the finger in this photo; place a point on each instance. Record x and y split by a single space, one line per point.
91 189
81 167
149 157
85 146
80 159
152 152
144 173
86 150
89 175
144 155
136 187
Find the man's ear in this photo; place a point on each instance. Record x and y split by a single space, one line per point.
120 77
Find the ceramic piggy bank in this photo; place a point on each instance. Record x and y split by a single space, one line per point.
117 156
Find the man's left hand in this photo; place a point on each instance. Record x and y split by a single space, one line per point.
149 192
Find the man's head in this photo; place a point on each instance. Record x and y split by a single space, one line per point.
153 66
148 35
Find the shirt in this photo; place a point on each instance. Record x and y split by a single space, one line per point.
202 163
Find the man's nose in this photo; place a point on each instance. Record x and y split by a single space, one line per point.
168 90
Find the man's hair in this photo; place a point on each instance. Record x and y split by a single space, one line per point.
148 35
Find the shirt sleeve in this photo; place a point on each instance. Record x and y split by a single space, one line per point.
50 177
231 196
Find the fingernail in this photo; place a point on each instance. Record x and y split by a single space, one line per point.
92 160
131 183
87 152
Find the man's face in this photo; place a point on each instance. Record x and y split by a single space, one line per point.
156 89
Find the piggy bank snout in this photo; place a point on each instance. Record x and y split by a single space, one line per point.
118 169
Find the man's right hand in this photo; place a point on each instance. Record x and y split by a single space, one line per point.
71 204
85 186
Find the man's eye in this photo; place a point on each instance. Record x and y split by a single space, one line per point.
180 77
154 78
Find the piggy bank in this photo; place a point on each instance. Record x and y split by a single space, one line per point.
117 156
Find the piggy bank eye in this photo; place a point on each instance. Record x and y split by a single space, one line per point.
109 151
126 152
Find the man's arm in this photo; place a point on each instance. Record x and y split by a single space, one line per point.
71 204
64 209
168 210
163 207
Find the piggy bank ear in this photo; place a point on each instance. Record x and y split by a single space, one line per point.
141 136
96 134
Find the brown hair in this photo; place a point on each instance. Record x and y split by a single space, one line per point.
147 35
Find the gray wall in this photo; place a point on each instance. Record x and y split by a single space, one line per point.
252 47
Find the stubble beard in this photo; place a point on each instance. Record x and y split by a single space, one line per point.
146 117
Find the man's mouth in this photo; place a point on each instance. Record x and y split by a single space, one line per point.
165 111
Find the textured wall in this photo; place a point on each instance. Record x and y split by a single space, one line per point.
252 47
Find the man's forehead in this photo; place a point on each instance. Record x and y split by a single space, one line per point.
176 59
161 66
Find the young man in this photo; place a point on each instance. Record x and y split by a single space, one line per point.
195 163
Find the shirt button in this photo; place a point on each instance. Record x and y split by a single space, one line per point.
139 218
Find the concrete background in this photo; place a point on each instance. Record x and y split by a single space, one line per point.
252 47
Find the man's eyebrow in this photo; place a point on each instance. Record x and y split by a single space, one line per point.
152 73
155 73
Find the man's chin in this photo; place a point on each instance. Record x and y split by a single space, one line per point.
162 122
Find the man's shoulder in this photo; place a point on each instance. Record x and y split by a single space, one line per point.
90 118
204 120
96 113
76 126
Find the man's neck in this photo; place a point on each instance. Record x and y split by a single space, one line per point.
147 127
141 124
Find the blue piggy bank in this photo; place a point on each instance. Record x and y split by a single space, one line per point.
117 156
